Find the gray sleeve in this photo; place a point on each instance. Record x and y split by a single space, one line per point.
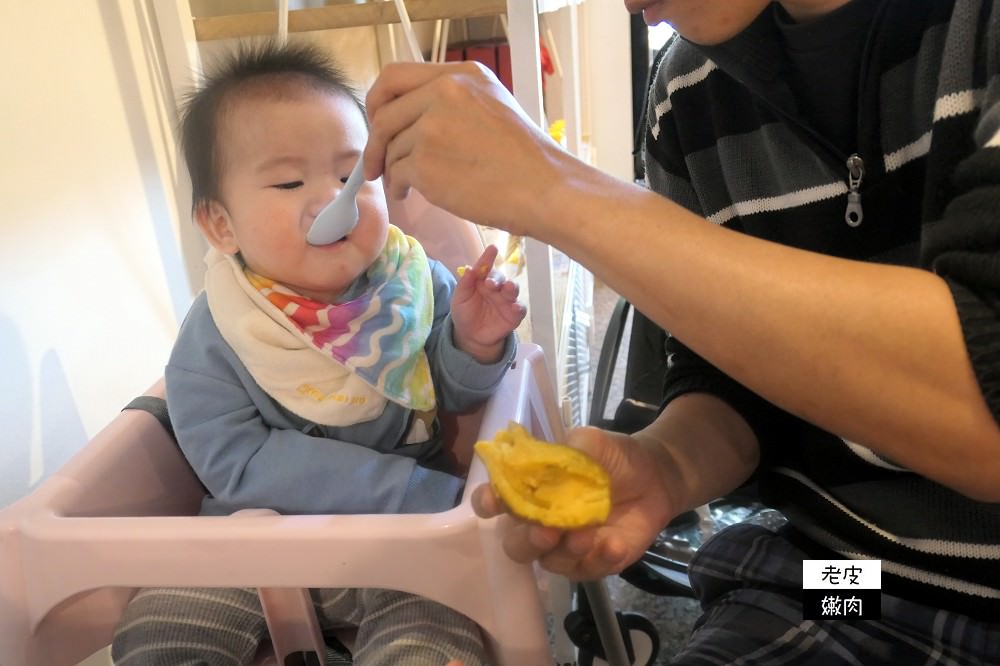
963 247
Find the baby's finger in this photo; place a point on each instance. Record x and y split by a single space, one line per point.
510 290
481 267
485 261
495 280
517 312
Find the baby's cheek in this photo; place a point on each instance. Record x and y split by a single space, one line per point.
374 229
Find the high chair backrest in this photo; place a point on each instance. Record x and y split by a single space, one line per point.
448 239
121 515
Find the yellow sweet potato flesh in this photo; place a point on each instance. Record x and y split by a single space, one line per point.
551 484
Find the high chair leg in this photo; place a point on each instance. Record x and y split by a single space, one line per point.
607 623
291 621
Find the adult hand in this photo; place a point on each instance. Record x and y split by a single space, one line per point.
454 132
641 506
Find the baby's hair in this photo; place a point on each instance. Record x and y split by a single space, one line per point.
261 68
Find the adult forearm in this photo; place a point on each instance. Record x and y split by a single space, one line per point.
871 352
707 449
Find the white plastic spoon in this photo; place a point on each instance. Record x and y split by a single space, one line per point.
340 215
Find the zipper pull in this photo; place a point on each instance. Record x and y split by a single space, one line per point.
855 172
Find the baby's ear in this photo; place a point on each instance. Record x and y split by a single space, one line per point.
214 221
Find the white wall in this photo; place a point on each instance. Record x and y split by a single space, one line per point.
607 85
92 282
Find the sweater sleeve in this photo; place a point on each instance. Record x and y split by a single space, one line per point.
964 246
663 163
688 372
667 174
964 249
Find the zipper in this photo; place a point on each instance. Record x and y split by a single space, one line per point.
854 214
855 174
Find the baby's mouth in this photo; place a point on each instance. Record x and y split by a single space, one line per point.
339 241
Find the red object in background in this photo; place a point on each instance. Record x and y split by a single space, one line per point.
547 67
485 53
495 55
503 70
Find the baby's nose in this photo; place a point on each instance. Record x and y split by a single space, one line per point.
326 196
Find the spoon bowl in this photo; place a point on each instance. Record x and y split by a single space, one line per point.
338 217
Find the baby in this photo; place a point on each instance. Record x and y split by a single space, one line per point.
307 379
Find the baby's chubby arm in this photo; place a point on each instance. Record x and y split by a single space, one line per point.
485 309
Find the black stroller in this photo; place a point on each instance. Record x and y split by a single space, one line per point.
662 570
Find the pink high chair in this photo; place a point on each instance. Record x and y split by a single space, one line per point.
121 515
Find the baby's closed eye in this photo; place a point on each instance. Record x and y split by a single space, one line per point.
291 185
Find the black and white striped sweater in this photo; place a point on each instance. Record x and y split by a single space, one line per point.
724 140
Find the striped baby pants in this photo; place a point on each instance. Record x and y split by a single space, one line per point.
224 627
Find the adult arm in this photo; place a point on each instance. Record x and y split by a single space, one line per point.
874 353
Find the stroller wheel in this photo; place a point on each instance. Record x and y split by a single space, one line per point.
642 635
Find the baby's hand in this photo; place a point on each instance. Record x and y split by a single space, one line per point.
484 309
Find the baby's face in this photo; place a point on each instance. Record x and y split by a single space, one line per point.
284 157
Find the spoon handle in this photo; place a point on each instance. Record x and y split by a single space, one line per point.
355 179
339 216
